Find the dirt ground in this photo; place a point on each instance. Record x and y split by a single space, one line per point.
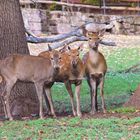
87 116
134 100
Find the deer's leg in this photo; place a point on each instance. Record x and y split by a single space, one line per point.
96 100
39 90
4 107
102 94
93 95
47 103
3 102
9 86
48 93
88 81
77 94
69 89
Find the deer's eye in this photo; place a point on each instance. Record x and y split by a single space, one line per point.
51 58
59 58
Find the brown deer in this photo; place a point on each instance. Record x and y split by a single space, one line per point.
28 68
71 72
96 68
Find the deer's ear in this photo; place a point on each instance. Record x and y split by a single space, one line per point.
69 48
90 34
101 32
64 49
61 51
49 47
80 48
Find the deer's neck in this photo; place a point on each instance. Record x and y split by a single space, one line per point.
75 70
93 55
1 64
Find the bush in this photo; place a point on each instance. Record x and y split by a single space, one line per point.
94 2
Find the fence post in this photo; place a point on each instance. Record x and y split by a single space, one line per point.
104 6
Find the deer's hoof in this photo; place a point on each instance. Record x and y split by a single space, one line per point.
74 114
11 119
79 114
42 117
49 113
104 111
92 113
6 118
54 115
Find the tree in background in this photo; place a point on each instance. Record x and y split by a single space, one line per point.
13 40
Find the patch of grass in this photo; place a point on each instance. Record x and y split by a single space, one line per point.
121 58
117 90
120 84
71 128
93 2
124 110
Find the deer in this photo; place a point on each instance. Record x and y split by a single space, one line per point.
95 70
71 72
27 68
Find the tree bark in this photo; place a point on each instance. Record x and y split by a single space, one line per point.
13 40
33 39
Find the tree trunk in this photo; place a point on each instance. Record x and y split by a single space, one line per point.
13 40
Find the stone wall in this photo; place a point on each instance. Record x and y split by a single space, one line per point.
55 22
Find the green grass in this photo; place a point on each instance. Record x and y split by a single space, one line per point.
72 128
117 90
121 58
124 110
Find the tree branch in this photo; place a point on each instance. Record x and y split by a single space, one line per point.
108 43
33 39
76 35
68 41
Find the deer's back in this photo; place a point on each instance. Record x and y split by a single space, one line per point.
27 68
45 54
